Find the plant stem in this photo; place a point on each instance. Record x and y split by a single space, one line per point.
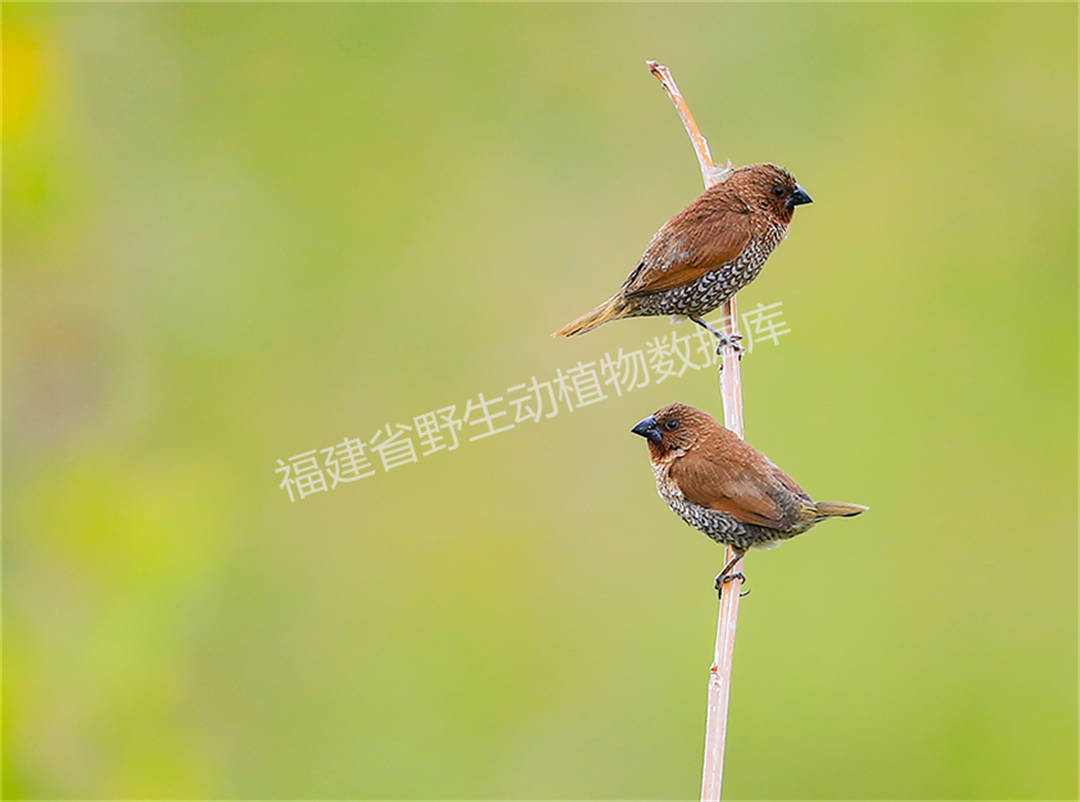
712 774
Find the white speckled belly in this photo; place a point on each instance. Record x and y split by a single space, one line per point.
706 293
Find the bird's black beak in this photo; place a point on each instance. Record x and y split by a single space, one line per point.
648 429
798 198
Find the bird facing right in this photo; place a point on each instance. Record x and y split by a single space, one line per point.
707 252
726 488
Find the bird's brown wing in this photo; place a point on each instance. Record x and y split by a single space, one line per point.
741 482
708 234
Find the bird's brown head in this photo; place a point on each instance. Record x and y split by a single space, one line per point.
675 428
768 188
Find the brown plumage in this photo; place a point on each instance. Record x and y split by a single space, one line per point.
707 252
726 488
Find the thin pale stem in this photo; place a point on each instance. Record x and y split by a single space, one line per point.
719 694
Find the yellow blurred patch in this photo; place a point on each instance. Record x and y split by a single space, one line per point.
22 79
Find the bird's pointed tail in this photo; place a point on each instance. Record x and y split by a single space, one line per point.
610 309
831 509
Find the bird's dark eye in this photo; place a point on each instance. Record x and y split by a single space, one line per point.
778 191
671 425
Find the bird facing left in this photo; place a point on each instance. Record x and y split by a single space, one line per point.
726 488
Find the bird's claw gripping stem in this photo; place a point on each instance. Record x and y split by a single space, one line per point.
723 579
721 338
729 340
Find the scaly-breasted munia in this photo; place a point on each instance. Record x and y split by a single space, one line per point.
726 488
707 252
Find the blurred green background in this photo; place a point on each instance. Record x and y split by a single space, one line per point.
235 233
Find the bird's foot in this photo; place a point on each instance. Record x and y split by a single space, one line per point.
731 340
723 579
